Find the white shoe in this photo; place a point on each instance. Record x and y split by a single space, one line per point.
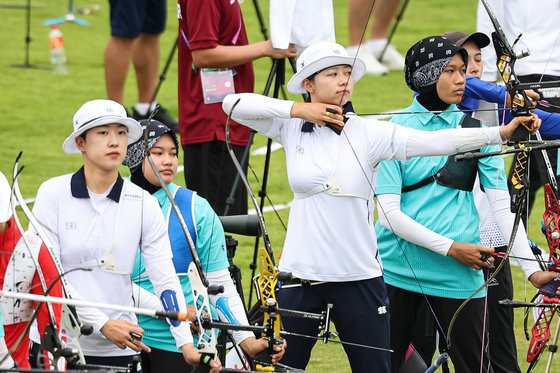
373 67
392 59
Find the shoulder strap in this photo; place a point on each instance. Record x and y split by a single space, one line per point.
469 122
466 122
181 252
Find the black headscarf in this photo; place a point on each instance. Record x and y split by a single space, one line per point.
424 63
137 152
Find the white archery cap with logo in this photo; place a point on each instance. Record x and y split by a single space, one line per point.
320 56
97 113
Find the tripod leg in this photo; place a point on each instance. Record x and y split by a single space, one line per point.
163 74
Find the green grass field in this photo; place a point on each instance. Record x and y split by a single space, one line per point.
37 109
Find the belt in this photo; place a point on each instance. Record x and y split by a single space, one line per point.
298 282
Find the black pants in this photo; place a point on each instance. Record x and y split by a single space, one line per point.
360 314
210 172
502 348
159 361
466 338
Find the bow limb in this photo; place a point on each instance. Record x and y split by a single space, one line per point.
69 320
268 279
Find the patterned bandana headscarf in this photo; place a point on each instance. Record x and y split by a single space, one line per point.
136 151
424 63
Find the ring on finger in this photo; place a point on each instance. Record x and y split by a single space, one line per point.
327 114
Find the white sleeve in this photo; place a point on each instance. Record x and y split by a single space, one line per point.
145 299
450 141
223 278
258 112
504 219
392 218
45 210
156 252
391 141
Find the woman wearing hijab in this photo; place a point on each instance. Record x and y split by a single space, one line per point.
428 224
332 162
209 238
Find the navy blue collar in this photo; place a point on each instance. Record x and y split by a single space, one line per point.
79 188
347 108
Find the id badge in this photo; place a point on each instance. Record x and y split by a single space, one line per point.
216 84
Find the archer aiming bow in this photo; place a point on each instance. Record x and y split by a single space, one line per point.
522 106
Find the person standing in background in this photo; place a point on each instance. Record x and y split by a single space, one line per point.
136 26
370 51
213 44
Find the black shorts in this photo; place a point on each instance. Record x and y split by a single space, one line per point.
130 18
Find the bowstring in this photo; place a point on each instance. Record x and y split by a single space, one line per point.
268 198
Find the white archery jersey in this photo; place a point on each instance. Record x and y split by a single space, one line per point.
82 230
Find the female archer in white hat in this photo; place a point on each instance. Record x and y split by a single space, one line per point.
95 219
332 161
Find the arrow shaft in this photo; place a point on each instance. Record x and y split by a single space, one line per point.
84 303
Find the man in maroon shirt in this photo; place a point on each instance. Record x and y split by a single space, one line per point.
212 36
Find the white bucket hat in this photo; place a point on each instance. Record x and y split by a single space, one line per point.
96 113
5 197
320 56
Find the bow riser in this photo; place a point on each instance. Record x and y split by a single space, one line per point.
267 283
540 333
551 218
206 337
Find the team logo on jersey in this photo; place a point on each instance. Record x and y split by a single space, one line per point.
132 196
382 310
71 225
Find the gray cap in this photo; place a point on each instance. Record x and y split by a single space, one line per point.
459 38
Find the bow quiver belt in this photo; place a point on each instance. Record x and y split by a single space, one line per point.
457 175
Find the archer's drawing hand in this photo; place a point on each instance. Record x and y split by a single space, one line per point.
253 346
470 255
317 113
507 131
118 332
193 357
